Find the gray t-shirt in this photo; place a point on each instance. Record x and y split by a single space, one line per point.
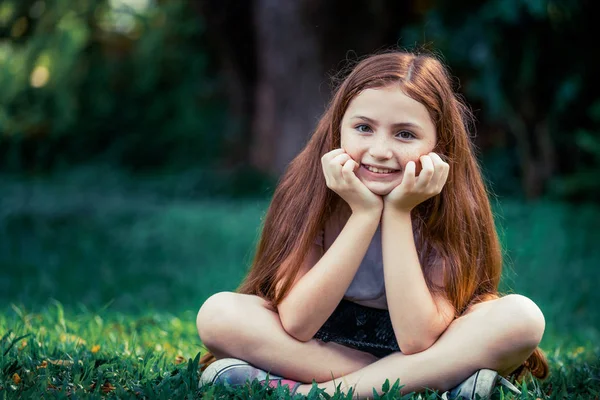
368 286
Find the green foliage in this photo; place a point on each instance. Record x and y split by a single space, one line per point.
92 355
388 393
63 354
587 178
127 241
131 260
525 67
117 81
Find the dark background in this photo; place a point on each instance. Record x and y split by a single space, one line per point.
235 87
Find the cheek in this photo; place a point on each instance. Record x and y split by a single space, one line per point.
412 155
345 138
409 155
350 146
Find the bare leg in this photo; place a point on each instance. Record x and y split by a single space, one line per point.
499 334
243 326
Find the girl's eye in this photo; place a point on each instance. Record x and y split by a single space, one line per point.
406 135
363 128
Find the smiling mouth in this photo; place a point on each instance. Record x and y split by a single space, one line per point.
382 171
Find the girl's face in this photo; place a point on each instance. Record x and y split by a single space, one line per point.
382 130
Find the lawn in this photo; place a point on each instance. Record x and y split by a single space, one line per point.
101 276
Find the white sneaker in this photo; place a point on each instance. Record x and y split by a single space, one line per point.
237 372
481 384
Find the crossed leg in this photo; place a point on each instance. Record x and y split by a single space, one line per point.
244 327
498 334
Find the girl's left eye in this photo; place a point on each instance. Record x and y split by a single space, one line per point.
405 134
362 128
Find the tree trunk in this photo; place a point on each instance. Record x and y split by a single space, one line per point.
230 30
290 94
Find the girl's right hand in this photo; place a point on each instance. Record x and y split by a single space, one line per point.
338 168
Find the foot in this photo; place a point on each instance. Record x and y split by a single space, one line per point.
237 372
480 385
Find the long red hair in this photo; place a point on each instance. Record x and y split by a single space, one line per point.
457 225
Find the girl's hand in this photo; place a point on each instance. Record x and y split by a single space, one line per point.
338 168
414 190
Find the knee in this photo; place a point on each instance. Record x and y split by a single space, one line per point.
525 321
215 318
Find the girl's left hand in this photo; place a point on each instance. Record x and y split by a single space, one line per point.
414 190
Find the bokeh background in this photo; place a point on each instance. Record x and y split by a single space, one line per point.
140 140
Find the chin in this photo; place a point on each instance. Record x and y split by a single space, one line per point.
380 190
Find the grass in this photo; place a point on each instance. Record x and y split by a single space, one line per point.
101 277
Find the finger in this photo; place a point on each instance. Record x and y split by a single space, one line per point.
436 159
333 168
426 173
336 164
348 170
442 169
349 174
408 179
340 159
443 178
328 156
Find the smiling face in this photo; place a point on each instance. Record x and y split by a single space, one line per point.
382 130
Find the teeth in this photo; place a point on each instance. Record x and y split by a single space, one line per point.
378 170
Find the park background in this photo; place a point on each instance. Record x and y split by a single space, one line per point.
141 140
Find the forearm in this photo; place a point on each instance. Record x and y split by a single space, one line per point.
412 309
314 297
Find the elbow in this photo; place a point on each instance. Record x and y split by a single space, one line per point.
412 347
294 327
425 340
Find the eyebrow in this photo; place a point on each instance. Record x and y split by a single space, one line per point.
396 125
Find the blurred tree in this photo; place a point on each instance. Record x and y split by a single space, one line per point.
122 81
276 61
508 55
525 65
147 83
288 96
230 35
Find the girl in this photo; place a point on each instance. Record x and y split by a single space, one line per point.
379 257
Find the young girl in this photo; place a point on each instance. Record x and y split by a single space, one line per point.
379 257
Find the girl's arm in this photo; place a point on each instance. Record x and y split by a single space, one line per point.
418 318
322 283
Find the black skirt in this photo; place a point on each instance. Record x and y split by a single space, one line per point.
363 328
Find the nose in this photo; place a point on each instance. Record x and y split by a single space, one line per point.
380 148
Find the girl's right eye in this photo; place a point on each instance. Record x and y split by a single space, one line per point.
363 128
